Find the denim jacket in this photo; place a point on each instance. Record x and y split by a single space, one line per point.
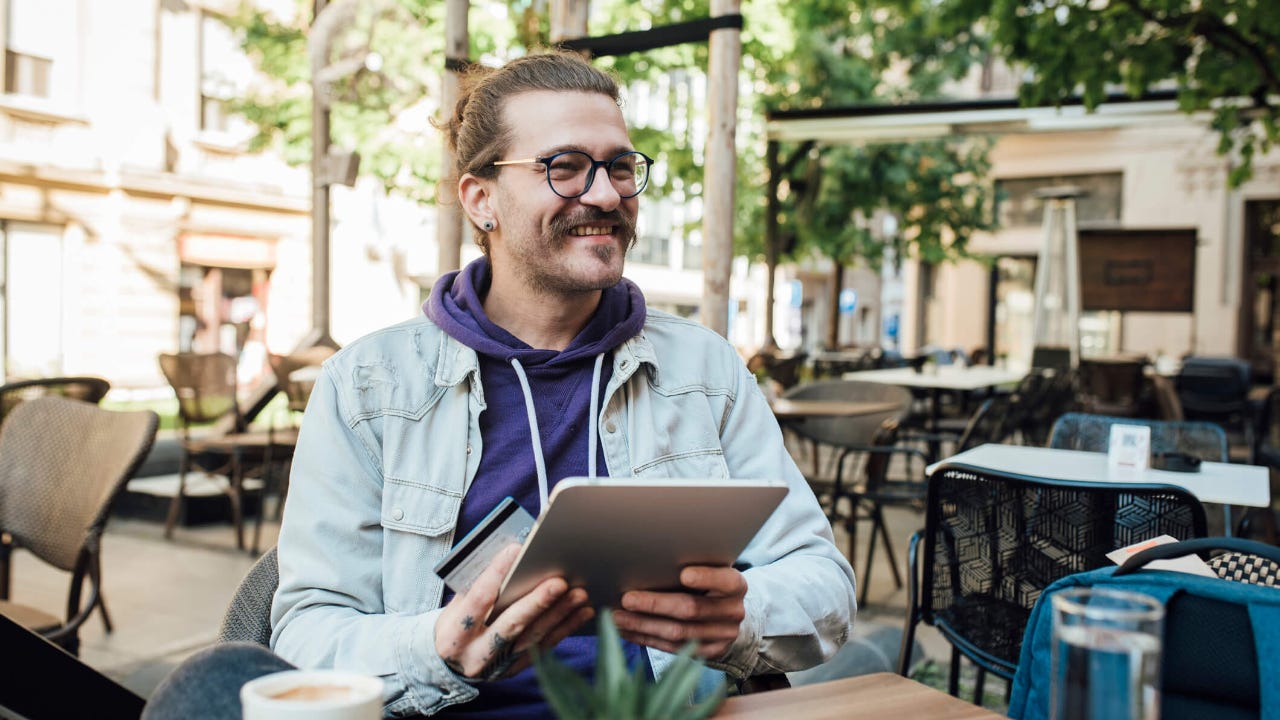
391 441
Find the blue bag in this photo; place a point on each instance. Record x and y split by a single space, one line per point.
1221 645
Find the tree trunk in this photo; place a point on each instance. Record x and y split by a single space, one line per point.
720 169
449 213
833 320
569 19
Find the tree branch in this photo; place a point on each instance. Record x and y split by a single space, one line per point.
1220 35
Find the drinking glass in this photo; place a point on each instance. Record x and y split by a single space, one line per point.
1106 655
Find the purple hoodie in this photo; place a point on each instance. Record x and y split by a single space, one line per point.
560 384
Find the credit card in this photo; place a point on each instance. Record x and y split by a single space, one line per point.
506 524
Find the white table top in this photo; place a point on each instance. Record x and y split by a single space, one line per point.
942 377
1225 483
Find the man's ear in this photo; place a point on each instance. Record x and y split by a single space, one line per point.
473 193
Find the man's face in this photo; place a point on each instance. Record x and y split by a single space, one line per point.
551 243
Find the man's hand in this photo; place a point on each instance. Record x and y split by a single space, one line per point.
709 616
544 617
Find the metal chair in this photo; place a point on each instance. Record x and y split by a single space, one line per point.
993 541
1083 431
62 464
876 490
1217 389
843 432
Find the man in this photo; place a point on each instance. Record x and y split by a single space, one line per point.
535 363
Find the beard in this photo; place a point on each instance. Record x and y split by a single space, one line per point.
538 260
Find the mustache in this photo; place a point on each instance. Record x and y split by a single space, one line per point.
625 224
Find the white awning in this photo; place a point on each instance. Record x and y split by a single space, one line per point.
869 124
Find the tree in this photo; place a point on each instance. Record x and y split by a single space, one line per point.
380 111
1223 57
796 53
831 53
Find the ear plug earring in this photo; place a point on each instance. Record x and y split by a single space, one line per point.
488 225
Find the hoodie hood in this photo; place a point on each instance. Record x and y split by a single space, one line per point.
455 304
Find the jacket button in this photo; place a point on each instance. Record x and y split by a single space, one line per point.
625 364
610 427
397 514
468 448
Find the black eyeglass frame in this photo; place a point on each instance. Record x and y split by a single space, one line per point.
591 174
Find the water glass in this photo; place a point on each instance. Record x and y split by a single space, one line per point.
1106 655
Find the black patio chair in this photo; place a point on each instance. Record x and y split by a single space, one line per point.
1217 389
993 541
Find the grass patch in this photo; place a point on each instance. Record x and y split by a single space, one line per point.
935 675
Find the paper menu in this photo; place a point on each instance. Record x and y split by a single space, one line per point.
1188 563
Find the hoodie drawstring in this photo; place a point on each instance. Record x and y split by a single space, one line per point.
538 462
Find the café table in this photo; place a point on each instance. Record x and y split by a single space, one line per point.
959 378
1226 483
865 697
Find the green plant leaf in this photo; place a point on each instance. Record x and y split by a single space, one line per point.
611 664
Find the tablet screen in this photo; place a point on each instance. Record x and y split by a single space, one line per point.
611 535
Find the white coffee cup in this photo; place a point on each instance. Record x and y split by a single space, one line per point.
312 694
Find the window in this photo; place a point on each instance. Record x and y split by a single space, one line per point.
1018 206
27 74
40 48
224 70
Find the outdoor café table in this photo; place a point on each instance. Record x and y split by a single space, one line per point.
1226 483
866 697
941 377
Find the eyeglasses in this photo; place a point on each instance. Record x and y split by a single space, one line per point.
570 173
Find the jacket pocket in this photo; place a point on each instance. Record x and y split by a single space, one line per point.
707 463
418 523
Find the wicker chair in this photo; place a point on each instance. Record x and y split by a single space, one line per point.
62 464
86 388
205 385
993 541
248 618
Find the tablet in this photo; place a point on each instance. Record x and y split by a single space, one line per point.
611 535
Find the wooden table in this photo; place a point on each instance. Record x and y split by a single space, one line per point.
866 697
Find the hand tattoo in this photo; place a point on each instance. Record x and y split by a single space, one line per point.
468 622
500 657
